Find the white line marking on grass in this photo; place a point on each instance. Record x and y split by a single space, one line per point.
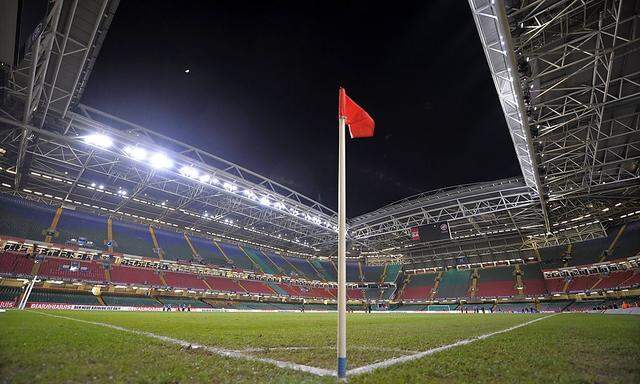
214 350
403 359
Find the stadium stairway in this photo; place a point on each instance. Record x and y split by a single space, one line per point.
391 273
156 245
273 264
257 260
238 258
319 276
519 284
317 265
436 286
473 287
277 289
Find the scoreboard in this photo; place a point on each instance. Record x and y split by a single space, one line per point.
431 232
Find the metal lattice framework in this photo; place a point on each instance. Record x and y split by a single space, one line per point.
566 75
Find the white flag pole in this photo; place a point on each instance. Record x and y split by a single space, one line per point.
342 246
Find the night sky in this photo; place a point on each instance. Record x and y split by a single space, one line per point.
263 81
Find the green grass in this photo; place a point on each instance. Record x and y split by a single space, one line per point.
566 348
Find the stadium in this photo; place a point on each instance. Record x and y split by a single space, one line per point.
127 255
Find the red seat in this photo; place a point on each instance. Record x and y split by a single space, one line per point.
132 275
184 280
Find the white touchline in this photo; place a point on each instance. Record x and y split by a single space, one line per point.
299 367
214 350
404 359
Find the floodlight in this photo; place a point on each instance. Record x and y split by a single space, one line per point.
204 178
99 140
229 187
160 161
189 171
136 153
264 200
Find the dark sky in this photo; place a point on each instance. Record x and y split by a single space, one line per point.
263 81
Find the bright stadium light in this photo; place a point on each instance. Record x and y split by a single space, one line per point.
99 140
189 171
135 153
204 178
264 200
160 161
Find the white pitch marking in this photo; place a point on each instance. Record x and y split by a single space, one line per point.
214 350
403 359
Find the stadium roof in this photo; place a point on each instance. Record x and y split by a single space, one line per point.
566 75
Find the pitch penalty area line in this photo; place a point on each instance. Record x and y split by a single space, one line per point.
215 350
404 359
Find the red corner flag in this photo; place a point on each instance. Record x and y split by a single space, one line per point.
359 121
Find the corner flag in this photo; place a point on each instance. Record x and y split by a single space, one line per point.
360 125
359 121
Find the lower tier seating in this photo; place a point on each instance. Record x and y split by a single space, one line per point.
45 296
130 301
180 301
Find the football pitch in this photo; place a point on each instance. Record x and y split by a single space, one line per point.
178 347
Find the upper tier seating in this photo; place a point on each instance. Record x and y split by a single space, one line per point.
393 270
15 263
629 243
496 282
259 258
552 256
224 284
74 225
372 273
72 269
326 268
590 251
133 239
23 218
258 287
320 268
418 287
184 280
240 260
131 275
130 301
180 301
353 272
44 296
533 279
304 267
454 283
208 251
173 245
282 265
